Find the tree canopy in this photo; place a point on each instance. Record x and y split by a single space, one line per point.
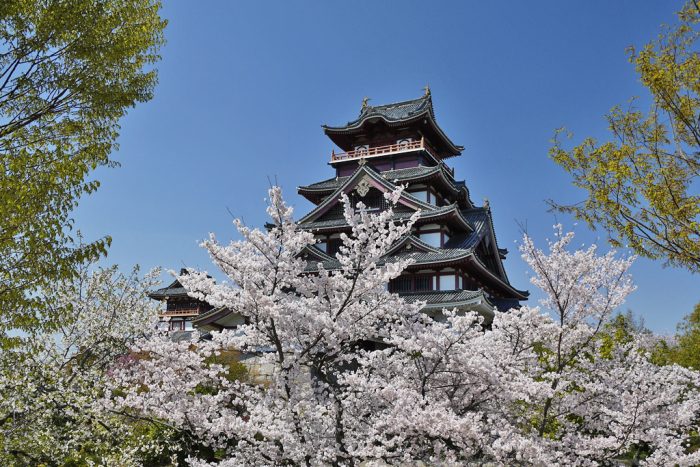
363 378
642 186
69 70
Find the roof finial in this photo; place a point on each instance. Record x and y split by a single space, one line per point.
365 101
487 205
427 90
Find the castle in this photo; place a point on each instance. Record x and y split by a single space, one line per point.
457 261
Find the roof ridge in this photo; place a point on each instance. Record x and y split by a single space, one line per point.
424 97
406 102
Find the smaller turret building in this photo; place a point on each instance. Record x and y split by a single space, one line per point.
180 308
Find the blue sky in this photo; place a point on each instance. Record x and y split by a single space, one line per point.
245 86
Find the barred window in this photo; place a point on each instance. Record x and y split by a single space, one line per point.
424 283
181 305
401 284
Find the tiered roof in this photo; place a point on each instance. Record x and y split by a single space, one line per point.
438 174
396 116
373 162
475 224
472 245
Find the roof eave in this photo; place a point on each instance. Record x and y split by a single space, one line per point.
356 126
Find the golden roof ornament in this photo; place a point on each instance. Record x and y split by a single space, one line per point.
427 90
365 102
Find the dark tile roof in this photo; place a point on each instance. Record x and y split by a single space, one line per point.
398 215
180 336
478 219
442 255
173 290
207 315
409 172
505 304
400 113
395 112
445 298
330 184
391 175
419 258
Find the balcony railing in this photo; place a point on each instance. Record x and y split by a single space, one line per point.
378 151
180 312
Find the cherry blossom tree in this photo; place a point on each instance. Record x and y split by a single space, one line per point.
363 377
52 379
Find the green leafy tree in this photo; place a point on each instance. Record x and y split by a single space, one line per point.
69 70
622 329
642 186
685 350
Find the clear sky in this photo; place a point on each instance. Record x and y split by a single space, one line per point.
245 86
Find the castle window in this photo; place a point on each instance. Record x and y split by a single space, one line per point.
181 305
401 284
423 283
448 282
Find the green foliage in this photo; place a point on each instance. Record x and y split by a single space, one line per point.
642 186
68 72
685 351
231 361
622 329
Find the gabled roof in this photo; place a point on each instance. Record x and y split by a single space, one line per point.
482 221
438 300
376 180
418 112
413 242
399 174
174 290
450 213
316 252
461 249
411 174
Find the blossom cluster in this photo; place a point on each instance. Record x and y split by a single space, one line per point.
363 377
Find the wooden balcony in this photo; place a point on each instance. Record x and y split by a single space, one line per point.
389 149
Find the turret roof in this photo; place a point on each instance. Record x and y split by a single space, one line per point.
399 114
174 290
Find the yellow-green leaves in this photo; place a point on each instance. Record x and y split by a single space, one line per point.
685 351
69 70
642 186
